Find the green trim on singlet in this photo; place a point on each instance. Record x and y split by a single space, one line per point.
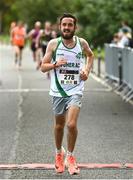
54 52
60 89
83 54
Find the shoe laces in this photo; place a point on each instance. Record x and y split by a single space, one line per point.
59 158
72 160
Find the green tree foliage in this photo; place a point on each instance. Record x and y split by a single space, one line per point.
101 19
42 10
5 5
98 19
4 12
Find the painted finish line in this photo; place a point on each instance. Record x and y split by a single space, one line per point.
51 166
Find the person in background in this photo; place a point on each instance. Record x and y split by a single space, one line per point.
125 27
123 39
33 35
44 37
115 39
12 26
18 35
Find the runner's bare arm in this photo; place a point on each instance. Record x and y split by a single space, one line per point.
25 34
29 35
89 59
37 41
47 64
11 36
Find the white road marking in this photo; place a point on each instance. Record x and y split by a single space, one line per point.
12 154
105 84
22 90
100 81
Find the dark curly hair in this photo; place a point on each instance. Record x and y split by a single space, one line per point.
68 15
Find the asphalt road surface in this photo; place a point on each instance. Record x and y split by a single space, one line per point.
26 125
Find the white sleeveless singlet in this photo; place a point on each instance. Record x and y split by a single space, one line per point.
65 80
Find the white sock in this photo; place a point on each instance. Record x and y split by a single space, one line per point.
69 153
58 151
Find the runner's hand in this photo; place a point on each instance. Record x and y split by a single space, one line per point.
60 62
84 75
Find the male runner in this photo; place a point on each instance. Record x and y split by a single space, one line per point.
12 26
69 60
33 35
45 35
18 35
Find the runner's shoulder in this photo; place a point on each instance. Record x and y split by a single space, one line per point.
53 43
83 41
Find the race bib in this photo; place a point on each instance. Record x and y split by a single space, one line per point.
69 77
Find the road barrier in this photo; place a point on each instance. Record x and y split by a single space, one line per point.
119 69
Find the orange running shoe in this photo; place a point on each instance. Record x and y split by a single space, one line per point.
72 166
59 162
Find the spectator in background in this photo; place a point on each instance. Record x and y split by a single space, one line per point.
127 34
116 39
130 40
123 39
124 36
125 27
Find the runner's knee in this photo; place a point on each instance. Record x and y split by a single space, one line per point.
59 127
71 126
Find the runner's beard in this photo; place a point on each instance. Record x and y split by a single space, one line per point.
68 36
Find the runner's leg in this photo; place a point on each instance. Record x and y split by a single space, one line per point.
20 56
70 160
38 58
59 130
16 52
72 117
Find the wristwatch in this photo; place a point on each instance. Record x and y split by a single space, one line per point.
54 63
